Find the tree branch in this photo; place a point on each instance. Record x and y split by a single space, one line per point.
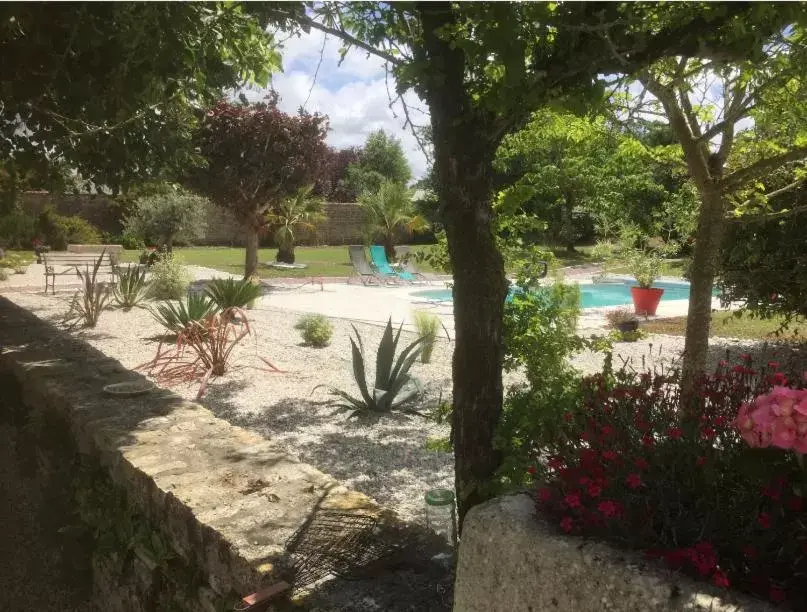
760 167
770 196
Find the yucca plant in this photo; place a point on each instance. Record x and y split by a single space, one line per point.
426 325
231 293
90 300
393 386
203 349
132 288
176 317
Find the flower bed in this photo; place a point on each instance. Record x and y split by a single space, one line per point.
688 479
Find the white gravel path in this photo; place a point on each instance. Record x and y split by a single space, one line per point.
385 457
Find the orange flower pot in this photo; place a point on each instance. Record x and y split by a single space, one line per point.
645 301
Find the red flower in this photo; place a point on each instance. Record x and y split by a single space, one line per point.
610 455
750 551
588 455
641 463
707 433
738 369
567 524
675 433
776 595
795 503
773 365
764 520
531 469
607 430
720 420
555 463
700 461
745 357
647 440
634 481
778 379
544 494
572 500
720 579
594 490
609 508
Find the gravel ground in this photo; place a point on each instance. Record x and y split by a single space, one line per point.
384 458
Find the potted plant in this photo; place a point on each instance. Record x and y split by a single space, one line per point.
623 319
645 267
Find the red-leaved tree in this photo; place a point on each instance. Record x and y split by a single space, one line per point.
331 181
256 156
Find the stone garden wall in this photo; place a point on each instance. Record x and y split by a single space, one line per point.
509 561
176 509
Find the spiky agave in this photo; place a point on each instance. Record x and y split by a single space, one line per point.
393 386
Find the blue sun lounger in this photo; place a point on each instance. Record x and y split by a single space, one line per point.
379 259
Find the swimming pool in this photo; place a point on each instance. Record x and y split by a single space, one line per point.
592 295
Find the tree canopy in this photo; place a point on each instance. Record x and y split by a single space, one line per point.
255 157
381 159
114 89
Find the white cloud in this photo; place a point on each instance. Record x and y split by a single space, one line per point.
353 94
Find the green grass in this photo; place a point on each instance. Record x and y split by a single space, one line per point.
727 325
321 261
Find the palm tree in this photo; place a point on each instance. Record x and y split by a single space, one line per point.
301 210
389 211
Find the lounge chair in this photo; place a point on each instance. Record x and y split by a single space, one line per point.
408 264
379 258
362 268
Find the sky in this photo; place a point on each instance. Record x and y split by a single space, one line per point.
353 95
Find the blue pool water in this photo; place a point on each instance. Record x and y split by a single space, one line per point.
591 295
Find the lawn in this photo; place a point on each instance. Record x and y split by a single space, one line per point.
321 261
727 325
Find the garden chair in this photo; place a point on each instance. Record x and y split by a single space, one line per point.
408 264
379 259
362 268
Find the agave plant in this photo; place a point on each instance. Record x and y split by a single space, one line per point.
393 386
90 300
231 293
178 317
132 287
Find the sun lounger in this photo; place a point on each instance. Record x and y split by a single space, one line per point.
362 268
408 264
382 265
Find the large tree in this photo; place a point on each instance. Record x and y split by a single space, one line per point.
256 156
483 68
112 89
724 160
381 159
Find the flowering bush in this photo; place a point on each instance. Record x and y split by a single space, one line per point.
643 466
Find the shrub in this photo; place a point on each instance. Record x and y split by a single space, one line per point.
426 325
316 330
130 241
393 387
167 216
132 287
232 293
169 278
59 230
90 300
16 262
619 316
203 349
638 463
177 317
17 230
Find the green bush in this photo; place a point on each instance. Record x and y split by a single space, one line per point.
177 317
426 325
17 230
169 278
316 330
169 216
59 230
232 293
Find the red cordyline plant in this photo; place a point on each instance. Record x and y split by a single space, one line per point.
203 349
644 467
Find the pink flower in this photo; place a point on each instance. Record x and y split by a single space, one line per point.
703 558
544 494
567 524
675 433
594 490
641 463
610 455
607 430
647 440
634 481
764 520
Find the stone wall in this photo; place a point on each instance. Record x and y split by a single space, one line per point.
510 561
198 511
102 211
343 224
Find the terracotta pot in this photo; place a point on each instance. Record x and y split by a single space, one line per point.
645 301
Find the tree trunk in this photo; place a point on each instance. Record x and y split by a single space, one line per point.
251 264
704 268
389 248
464 147
285 254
